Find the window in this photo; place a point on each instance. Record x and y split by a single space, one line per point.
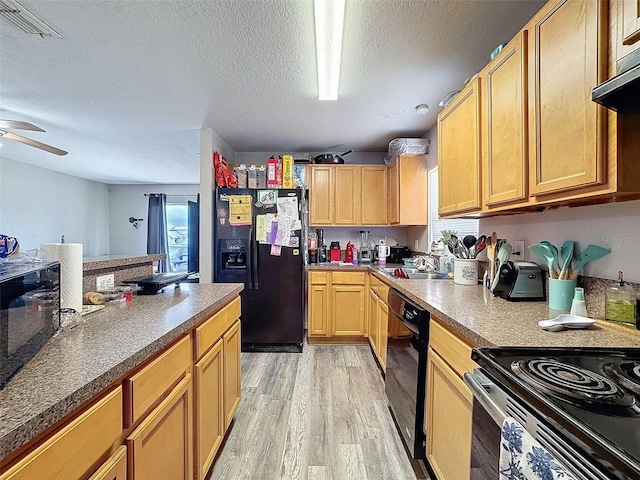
437 225
178 236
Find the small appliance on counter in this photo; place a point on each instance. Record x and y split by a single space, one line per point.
520 281
155 283
322 248
366 253
397 254
348 253
334 251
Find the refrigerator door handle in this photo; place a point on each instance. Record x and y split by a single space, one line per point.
254 264
250 260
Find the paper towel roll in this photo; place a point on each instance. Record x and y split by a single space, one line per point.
70 257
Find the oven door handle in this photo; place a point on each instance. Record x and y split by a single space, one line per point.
481 388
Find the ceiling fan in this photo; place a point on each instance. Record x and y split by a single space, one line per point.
18 125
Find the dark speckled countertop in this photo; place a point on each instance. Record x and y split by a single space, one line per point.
80 362
489 321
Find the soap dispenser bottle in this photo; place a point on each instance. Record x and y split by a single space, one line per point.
578 306
620 302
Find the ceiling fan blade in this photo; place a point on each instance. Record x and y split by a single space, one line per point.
19 125
32 143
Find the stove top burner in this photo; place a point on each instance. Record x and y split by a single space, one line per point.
569 382
626 373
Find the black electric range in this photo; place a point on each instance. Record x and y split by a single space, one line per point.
589 396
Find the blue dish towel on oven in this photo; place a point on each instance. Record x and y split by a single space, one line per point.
523 458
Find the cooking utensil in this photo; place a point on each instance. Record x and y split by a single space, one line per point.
503 255
331 157
479 246
591 253
453 244
543 251
491 255
566 252
469 241
554 252
566 320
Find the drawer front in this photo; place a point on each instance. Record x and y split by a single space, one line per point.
207 334
383 293
348 278
318 278
143 389
452 349
374 283
115 468
74 451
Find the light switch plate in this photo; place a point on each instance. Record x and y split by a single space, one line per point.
416 245
105 282
518 251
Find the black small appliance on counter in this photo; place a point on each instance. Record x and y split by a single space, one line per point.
398 253
520 281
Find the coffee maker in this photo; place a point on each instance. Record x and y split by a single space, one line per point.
322 248
366 252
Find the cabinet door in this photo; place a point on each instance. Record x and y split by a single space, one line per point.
318 311
74 451
348 309
459 153
449 417
115 468
347 195
505 127
321 196
567 150
373 321
374 198
161 446
383 326
209 408
630 21
232 386
394 192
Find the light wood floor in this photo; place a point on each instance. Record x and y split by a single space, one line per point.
317 415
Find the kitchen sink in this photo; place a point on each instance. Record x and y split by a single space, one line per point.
414 273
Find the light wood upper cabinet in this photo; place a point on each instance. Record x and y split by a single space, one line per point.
161 446
373 195
505 127
630 21
567 150
347 195
321 200
459 153
408 190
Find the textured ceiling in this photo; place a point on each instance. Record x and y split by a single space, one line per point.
130 83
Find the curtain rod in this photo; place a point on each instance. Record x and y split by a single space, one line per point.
172 195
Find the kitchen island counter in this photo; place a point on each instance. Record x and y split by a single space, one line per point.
80 362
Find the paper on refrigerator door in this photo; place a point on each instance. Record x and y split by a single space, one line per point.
260 230
283 233
240 209
288 207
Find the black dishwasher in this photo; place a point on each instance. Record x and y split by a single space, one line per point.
406 374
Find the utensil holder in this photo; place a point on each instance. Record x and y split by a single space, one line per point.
561 294
465 271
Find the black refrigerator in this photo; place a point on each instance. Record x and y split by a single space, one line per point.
247 251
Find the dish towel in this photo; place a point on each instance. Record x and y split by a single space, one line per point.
523 458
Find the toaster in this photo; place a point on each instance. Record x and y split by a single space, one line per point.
520 281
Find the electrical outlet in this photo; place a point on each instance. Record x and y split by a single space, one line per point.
518 250
416 245
105 282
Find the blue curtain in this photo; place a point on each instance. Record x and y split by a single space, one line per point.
157 235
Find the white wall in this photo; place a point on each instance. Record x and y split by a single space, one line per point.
257 158
612 225
129 201
352 234
39 206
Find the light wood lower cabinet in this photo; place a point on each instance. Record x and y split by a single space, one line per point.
76 450
161 446
449 404
209 407
232 387
115 468
373 321
337 305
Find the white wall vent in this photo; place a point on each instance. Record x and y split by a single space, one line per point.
23 19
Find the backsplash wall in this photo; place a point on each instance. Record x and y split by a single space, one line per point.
612 225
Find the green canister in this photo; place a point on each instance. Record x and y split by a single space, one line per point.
620 302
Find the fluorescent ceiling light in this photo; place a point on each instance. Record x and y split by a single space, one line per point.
329 19
23 19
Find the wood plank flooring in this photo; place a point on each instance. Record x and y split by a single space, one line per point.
319 415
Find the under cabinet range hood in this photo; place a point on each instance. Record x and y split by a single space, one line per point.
622 92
